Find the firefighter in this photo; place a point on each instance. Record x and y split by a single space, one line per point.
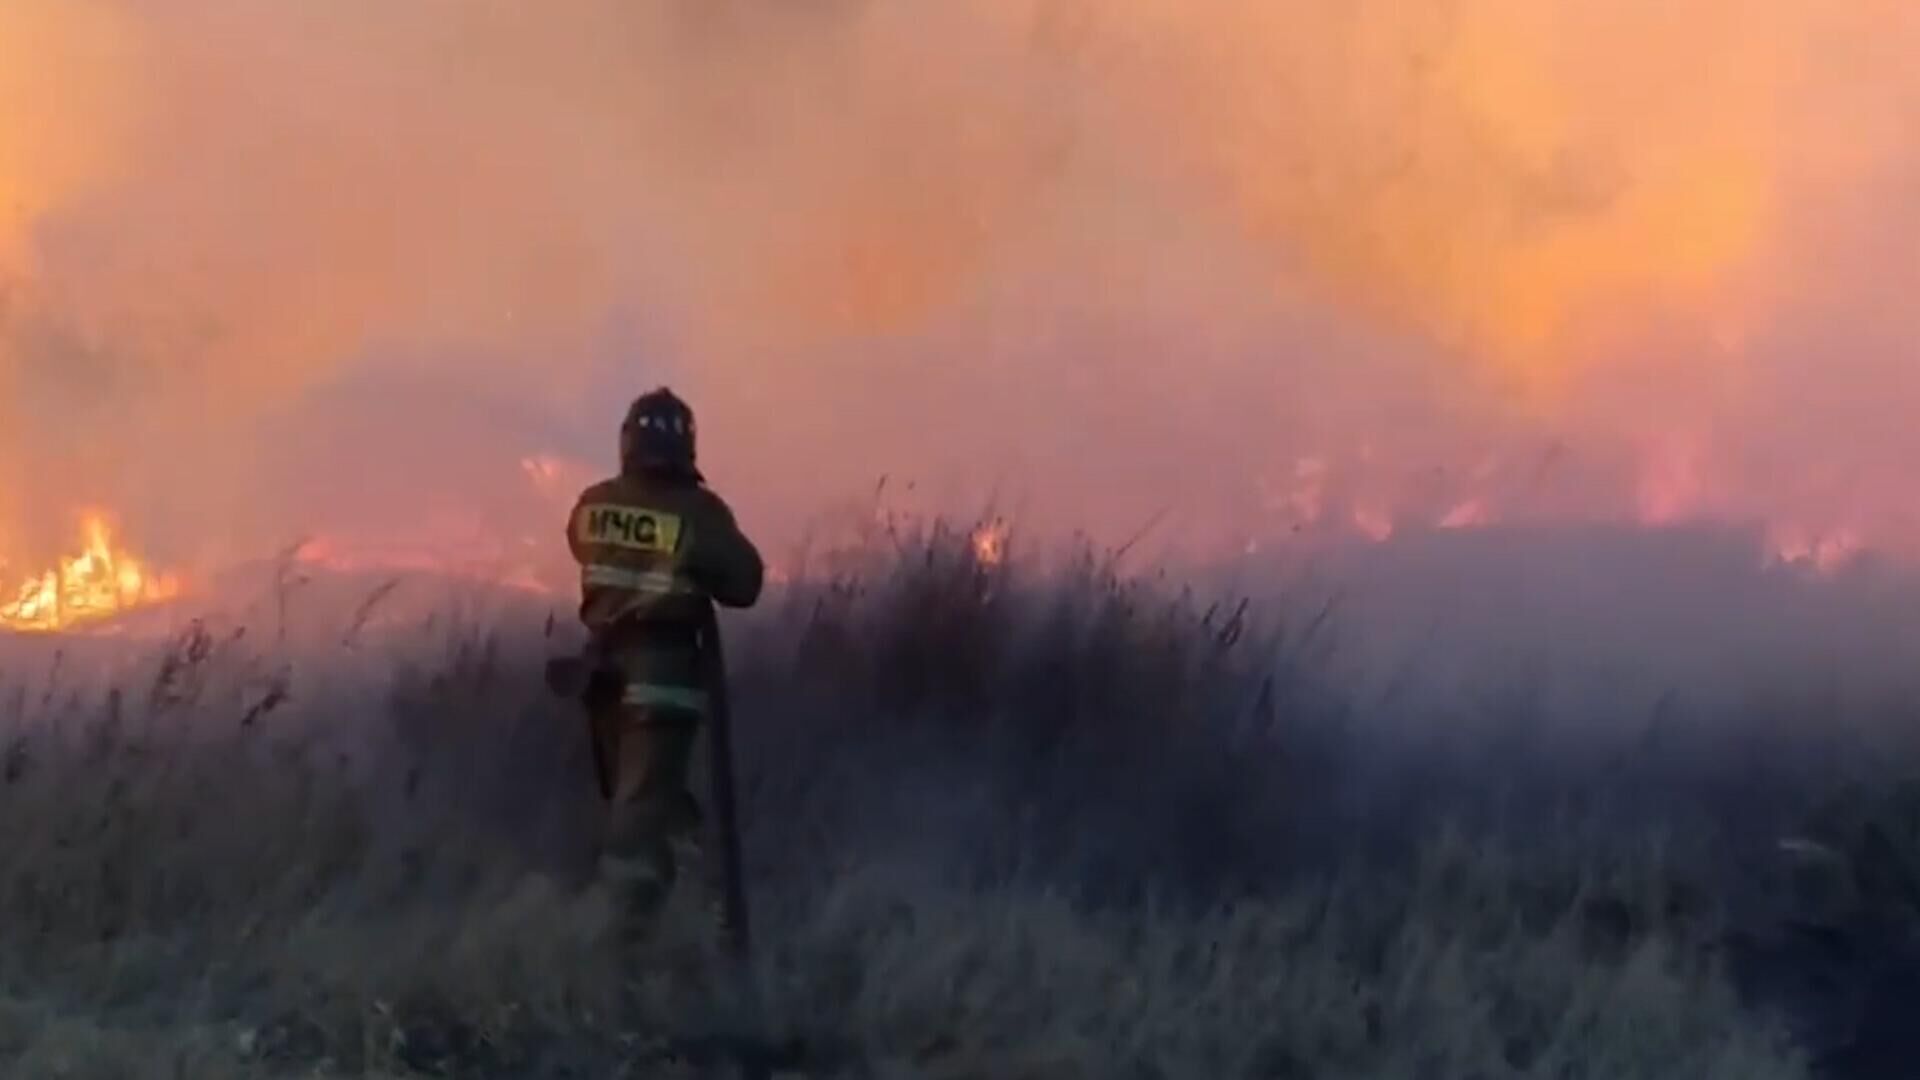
656 550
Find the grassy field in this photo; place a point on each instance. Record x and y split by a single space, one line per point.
1001 824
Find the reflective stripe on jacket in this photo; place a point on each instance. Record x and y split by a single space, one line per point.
646 695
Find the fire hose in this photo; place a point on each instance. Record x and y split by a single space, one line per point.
736 924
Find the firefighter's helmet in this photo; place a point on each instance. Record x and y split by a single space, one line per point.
658 434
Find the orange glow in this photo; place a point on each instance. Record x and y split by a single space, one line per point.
1671 486
101 582
452 544
485 563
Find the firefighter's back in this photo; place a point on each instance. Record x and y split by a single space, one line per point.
654 553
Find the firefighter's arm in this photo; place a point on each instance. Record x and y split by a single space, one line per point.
583 556
574 544
723 561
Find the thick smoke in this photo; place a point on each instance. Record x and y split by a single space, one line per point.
274 267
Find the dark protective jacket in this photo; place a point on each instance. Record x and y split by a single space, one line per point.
656 551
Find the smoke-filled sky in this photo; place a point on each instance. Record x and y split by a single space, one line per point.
270 267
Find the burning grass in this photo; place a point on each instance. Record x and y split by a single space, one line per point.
99 583
1002 824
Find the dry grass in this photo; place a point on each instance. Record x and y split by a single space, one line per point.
1001 825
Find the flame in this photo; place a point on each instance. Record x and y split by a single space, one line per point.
101 582
989 543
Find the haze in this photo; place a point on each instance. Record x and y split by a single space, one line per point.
274 268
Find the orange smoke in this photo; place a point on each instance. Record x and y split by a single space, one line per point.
1183 242
65 106
1500 172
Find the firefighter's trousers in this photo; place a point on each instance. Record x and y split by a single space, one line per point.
646 757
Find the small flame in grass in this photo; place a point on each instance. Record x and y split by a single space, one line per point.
1467 515
1374 521
989 543
1825 553
102 581
553 477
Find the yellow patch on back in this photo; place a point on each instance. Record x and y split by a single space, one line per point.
634 528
